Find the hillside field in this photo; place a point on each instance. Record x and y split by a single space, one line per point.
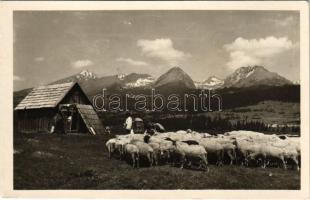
43 161
268 112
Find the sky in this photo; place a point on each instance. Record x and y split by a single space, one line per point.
50 45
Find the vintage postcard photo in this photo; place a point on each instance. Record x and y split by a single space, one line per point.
159 97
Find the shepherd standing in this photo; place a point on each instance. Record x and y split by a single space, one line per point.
128 123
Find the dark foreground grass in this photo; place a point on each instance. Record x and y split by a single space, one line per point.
81 162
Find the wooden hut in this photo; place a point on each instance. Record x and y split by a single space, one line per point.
38 111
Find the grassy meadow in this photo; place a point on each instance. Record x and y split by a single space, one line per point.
44 161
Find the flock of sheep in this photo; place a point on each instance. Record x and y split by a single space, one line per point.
192 149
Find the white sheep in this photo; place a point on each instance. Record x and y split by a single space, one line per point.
213 147
249 143
228 146
181 132
295 141
191 151
166 148
155 139
133 151
120 145
110 144
122 136
156 151
290 152
138 137
144 150
246 146
268 151
290 148
160 146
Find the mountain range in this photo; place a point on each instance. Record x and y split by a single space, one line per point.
175 79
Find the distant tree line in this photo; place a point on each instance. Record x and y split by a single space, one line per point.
200 123
207 124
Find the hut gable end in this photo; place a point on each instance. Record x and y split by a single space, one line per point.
75 96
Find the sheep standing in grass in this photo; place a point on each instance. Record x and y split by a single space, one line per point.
182 144
166 147
160 147
228 146
186 151
154 143
110 144
230 150
270 149
290 152
294 142
246 147
290 149
144 150
213 147
120 145
157 152
133 151
267 151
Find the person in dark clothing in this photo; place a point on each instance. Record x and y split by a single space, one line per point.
149 128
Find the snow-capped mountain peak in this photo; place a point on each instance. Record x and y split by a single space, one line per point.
121 76
140 82
253 76
212 82
86 75
244 72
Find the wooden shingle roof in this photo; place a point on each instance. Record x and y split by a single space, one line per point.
90 118
45 96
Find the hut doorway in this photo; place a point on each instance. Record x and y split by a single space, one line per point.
72 120
75 122
80 119
77 125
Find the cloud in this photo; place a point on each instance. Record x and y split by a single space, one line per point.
287 21
39 59
132 62
162 49
244 52
81 63
17 78
125 22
